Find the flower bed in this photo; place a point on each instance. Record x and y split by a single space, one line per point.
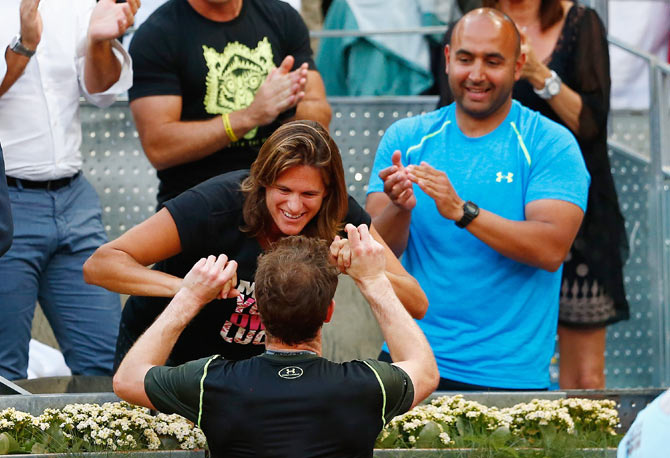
91 427
549 427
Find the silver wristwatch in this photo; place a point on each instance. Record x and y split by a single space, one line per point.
552 86
18 47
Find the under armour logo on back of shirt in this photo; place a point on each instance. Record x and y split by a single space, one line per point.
509 177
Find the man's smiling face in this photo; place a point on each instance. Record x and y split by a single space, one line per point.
482 65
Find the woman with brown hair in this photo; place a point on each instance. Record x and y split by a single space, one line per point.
295 186
566 77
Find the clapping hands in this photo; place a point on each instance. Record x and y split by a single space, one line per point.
110 20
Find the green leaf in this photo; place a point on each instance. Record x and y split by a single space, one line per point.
8 444
429 437
38 448
389 441
460 426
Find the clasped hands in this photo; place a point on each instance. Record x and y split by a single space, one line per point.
211 278
359 255
398 186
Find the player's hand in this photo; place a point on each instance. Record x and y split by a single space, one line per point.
31 23
211 278
340 254
436 184
367 258
110 20
281 90
397 184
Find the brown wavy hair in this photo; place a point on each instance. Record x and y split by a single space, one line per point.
551 11
295 283
294 144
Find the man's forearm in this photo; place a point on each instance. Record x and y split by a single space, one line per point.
406 342
16 64
171 143
390 221
152 349
541 244
316 110
392 224
102 68
401 333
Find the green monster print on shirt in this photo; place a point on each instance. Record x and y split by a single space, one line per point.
235 75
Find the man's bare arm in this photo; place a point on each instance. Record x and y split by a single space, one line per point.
109 20
542 240
31 34
409 348
168 141
208 279
314 105
391 210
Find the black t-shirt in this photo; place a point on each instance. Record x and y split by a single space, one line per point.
216 67
208 218
284 405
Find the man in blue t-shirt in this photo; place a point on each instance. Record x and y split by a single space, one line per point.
515 185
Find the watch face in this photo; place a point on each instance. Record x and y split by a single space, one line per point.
469 207
554 88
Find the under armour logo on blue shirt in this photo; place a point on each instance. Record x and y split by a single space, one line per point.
509 177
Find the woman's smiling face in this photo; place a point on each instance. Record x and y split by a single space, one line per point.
294 199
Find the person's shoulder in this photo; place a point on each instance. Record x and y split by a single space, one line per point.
585 16
223 192
275 8
534 123
423 124
165 16
159 27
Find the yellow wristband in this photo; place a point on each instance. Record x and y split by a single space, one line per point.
228 127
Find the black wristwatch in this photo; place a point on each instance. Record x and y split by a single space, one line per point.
470 212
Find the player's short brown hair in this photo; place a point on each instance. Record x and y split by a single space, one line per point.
295 284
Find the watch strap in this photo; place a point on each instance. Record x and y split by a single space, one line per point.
470 212
546 92
18 47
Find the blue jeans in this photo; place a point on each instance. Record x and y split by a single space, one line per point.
55 231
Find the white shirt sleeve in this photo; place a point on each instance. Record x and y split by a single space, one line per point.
102 99
105 99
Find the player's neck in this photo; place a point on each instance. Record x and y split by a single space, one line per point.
217 10
472 126
313 346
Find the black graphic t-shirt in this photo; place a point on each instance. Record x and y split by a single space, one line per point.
284 405
208 218
216 67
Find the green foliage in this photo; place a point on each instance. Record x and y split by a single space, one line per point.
542 428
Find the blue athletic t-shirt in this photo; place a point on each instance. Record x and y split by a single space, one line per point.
491 320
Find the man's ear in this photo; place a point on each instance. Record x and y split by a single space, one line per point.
329 312
446 59
518 65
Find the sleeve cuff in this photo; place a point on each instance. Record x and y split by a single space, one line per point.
106 98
